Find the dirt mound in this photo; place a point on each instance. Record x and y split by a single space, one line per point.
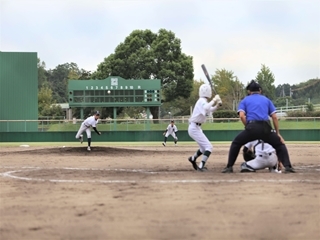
78 151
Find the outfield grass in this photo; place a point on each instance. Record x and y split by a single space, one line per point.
181 126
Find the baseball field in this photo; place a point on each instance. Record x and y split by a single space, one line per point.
147 191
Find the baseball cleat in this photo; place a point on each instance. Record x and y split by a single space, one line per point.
227 170
289 170
194 163
164 144
246 168
203 169
81 138
88 148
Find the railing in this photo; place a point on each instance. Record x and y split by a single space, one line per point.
302 108
146 124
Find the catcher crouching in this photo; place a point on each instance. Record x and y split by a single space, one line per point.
260 155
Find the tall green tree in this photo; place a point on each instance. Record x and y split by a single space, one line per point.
181 106
266 80
46 104
58 80
148 55
42 74
230 89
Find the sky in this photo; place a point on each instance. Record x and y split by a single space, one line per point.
238 36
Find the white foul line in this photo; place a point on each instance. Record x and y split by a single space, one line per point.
9 174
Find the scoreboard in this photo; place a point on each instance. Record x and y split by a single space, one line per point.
114 91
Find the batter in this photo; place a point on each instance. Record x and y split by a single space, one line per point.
199 115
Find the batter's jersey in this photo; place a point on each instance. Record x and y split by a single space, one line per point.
260 147
199 114
257 107
172 129
90 122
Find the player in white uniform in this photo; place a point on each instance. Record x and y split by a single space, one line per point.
200 112
85 126
263 156
171 130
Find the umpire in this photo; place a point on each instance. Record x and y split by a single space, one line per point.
254 111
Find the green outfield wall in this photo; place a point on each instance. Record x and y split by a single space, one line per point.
18 90
146 136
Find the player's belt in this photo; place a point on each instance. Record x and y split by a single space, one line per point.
257 121
268 153
198 124
87 126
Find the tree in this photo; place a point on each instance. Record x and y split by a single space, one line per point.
266 80
42 78
46 104
230 89
148 55
58 80
181 106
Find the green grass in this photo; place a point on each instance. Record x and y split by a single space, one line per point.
181 126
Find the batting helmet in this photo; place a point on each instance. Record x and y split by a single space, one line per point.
205 91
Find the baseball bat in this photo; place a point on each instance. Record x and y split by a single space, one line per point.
209 79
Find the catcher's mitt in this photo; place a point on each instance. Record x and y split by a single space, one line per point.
248 155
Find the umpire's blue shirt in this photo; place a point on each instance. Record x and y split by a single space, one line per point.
256 107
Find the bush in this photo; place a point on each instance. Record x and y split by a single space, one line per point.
297 114
225 114
315 114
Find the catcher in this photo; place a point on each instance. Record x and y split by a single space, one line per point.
259 155
171 130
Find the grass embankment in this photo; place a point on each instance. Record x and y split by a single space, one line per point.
181 126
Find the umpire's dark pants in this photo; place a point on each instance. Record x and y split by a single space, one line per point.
254 131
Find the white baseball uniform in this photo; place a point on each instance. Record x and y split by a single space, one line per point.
265 155
199 115
171 130
85 126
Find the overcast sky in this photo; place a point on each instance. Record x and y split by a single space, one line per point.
234 35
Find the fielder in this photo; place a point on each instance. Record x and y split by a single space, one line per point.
85 126
259 155
201 110
171 130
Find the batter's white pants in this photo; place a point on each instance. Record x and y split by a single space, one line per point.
196 133
262 162
82 129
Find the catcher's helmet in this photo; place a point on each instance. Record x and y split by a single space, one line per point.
205 91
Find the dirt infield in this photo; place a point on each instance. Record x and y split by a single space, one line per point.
152 192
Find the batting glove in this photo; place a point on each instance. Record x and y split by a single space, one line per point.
217 98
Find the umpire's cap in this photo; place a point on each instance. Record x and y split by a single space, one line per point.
97 113
253 86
